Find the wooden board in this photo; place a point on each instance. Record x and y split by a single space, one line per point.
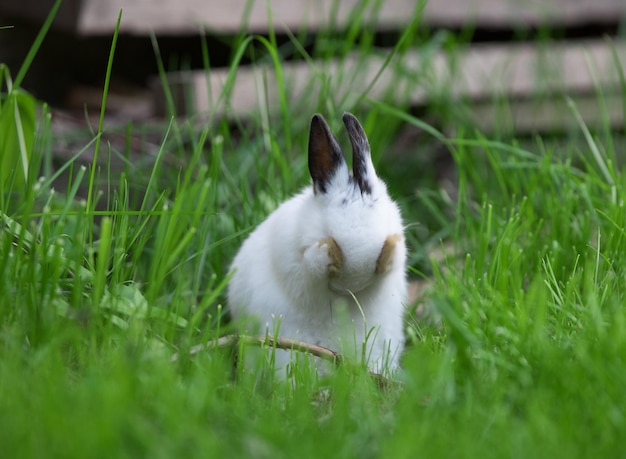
93 17
479 74
557 114
140 16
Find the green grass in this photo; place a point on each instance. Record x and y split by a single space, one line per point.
527 357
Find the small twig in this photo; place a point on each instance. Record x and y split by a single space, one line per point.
288 344
278 343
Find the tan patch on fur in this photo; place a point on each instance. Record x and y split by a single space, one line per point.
336 256
386 254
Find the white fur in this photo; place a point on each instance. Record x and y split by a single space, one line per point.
281 271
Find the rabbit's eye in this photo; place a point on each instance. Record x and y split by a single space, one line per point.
383 264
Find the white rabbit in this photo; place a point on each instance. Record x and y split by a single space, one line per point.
339 239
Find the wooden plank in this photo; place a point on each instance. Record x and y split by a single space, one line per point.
185 16
523 12
520 116
94 17
478 73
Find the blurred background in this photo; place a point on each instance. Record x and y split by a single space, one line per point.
506 67
509 48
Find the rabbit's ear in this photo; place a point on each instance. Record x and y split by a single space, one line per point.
362 166
325 156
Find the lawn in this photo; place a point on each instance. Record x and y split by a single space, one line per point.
523 353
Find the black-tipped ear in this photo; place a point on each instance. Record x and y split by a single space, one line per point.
362 168
325 156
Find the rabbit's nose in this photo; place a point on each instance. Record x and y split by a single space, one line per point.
350 285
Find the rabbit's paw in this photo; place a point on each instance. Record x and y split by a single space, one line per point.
385 259
335 254
325 257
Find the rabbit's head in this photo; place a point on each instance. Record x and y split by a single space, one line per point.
360 224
